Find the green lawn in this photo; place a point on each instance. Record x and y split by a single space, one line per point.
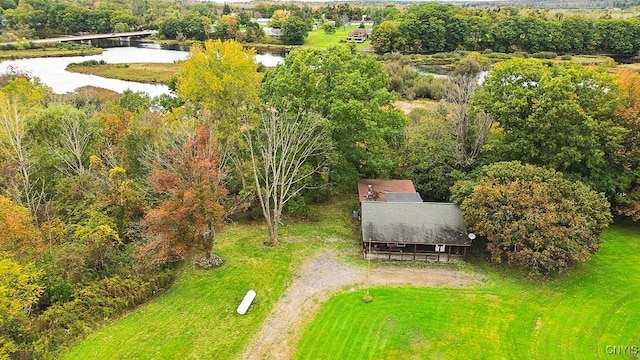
574 316
317 38
196 318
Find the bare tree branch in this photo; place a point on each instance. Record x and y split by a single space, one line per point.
470 130
286 149
14 145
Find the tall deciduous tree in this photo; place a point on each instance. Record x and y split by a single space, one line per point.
429 156
350 91
65 132
279 17
557 115
186 220
227 27
533 217
627 199
219 84
287 148
469 128
17 99
294 30
386 37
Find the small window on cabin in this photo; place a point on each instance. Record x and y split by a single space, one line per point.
401 245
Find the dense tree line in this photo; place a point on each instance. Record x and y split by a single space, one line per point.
71 212
424 28
542 127
46 18
431 28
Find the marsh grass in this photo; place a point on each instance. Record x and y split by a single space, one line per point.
160 73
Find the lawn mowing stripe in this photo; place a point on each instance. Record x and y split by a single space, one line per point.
372 336
568 316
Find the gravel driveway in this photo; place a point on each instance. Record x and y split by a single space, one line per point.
317 280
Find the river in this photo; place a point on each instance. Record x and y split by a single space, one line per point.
51 71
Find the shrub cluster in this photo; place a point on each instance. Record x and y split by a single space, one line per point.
88 63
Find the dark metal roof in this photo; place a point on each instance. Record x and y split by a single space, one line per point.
413 222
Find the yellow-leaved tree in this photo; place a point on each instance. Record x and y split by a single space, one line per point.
20 286
219 85
18 97
19 291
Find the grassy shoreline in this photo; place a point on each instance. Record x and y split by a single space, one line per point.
47 52
150 73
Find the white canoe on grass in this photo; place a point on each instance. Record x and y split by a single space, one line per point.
246 302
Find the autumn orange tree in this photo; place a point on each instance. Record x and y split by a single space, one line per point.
190 212
18 233
532 216
627 201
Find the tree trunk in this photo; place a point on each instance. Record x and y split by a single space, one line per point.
273 229
273 234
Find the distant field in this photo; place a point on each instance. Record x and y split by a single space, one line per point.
140 72
317 38
575 316
407 105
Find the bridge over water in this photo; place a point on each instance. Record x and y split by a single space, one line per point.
87 38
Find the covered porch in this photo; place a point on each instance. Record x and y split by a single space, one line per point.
414 251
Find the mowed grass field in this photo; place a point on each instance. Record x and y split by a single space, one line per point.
318 39
573 316
579 315
196 318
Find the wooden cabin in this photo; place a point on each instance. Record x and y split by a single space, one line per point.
358 35
397 225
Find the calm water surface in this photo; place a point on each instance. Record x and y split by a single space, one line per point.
51 71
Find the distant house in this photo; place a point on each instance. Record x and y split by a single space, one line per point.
368 23
273 32
358 35
263 21
397 225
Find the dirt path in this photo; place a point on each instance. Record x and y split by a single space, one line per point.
318 279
